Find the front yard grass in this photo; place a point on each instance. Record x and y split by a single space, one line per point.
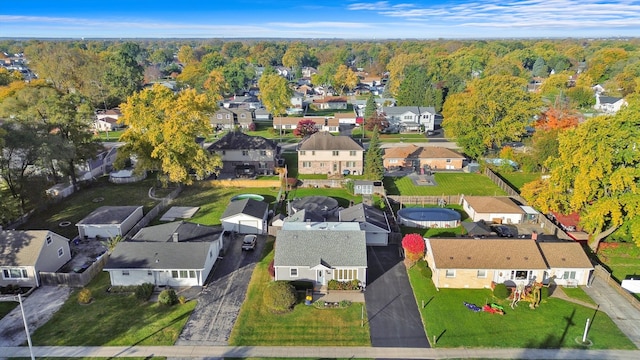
447 184
6 307
80 204
555 324
303 326
112 320
578 294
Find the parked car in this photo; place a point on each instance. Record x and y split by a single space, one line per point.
249 242
502 230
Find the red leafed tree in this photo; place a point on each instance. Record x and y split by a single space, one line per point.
413 245
305 127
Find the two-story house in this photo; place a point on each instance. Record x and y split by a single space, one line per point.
246 155
410 118
230 118
324 153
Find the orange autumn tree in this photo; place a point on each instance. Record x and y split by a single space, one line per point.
558 117
413 245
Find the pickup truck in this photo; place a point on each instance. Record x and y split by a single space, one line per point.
249 242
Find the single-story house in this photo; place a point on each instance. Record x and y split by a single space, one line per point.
373 221
493 209
422 158
609 104
109 221
568 264
321 255
477 263
331 102
24 254
176 254
246 216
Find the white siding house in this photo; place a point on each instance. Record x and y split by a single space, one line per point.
246 216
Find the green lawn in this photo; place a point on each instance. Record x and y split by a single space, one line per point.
291 159
303 326
555 324
622 259
517 179
578 294
214 200
112 320
6 307
447 184
80 204
109 135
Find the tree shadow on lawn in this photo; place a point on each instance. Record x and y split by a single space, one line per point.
390 185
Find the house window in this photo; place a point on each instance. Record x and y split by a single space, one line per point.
14 274
321 164
262 165
210 254
149 273
345 274
174 274
352 153
223 152
60 252
192 274
302 152
219 116
335 153
293 272
351 164
183 273
450 273
569 275
408 117
306 164
313 152
393 161
49 239
482 274
245 152
520 274
263 152
228 116
125 272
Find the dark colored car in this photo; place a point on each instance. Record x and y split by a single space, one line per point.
249 242
502 230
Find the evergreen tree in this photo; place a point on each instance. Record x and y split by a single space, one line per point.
373 168
370 107
540 68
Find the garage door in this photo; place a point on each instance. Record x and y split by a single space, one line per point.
249 227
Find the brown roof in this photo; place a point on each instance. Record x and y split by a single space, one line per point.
486 254
436 152
330 99
348 115
566 255
493 204
323 140
400 152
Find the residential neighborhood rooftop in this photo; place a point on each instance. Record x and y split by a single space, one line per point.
109 215
311 248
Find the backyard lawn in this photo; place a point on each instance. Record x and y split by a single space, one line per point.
555 324
342 195
446 184
112 320
80 204
517 179
303 326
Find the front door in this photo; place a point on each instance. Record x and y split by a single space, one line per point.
320 278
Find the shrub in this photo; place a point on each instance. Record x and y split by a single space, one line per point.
279 296
182 300
501 291
84 296
272 269
144 291
167 297
302 285
343 285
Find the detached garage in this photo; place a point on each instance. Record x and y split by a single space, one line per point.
109 221
246 216
493 209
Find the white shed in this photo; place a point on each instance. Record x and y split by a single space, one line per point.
246 216
109 221
493 209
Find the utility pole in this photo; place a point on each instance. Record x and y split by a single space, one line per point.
26 327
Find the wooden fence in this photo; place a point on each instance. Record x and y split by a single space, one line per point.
602 273
74 279
503 185
424 200
153 213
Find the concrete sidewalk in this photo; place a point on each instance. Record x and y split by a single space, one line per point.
209 352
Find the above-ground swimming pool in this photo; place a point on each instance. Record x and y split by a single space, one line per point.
248 196
429 217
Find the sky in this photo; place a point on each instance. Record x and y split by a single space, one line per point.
346 19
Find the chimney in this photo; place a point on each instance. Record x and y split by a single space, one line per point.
174 236
534 235
308 223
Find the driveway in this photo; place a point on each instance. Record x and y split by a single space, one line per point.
39 307
394 319
220 300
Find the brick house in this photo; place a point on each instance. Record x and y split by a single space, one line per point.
323 153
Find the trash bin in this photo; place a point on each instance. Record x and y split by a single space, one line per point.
308 298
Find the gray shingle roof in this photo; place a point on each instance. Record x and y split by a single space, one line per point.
324 140
312 247
249 207
399 110
153 247
109 215
236 140
365 214
21 248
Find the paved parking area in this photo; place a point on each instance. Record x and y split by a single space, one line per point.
220 300
394 319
